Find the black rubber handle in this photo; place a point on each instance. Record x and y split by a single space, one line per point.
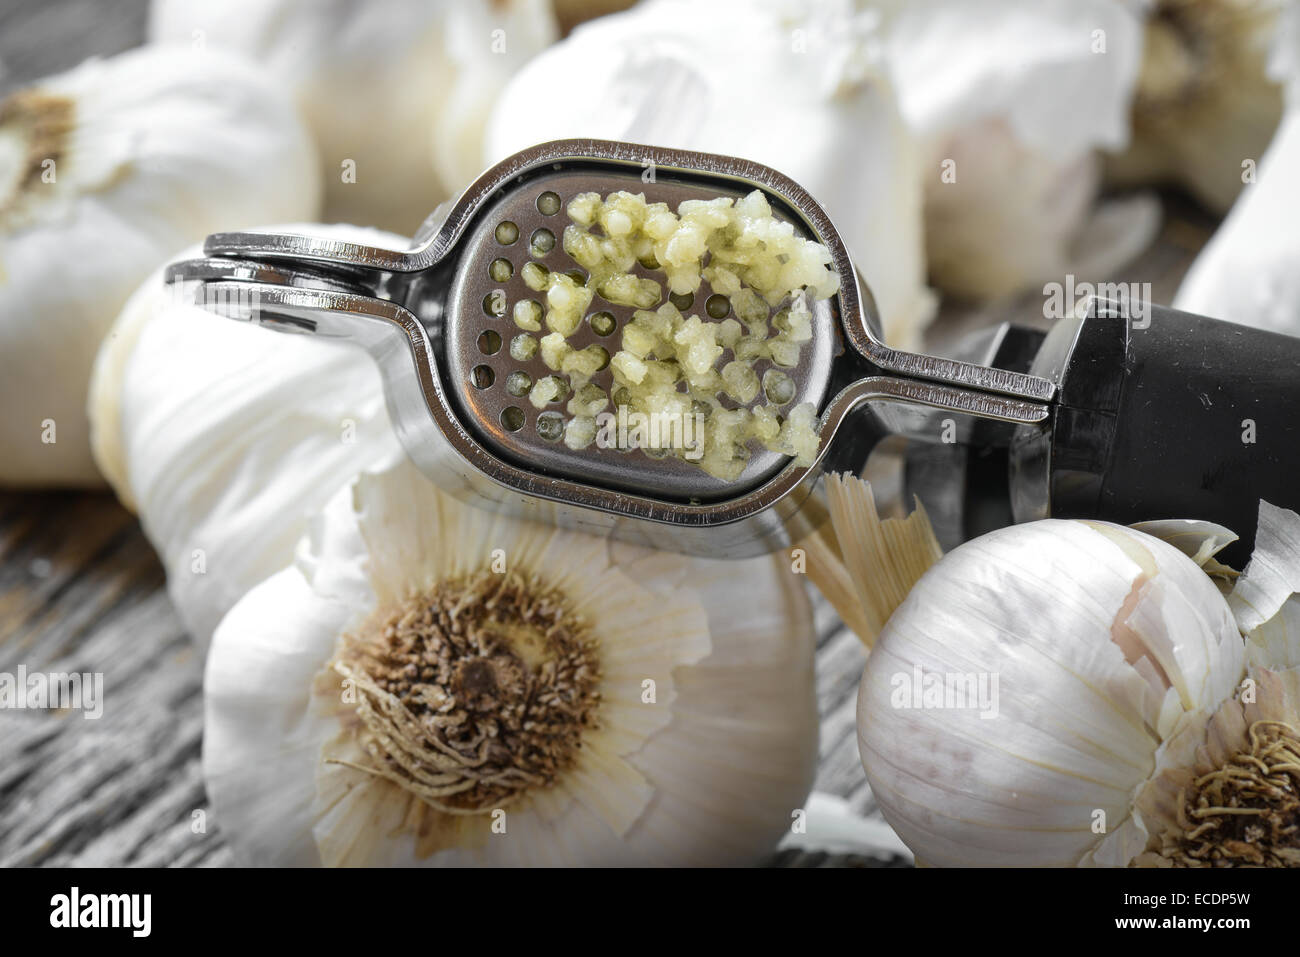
1165 414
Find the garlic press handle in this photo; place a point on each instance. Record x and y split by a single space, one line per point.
1163 414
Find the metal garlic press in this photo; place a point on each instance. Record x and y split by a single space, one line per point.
1102 417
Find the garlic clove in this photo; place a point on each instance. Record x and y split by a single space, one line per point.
226 438
708 769
376 80
105 171
1010 103
802 91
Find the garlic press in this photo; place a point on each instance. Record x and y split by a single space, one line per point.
1105 416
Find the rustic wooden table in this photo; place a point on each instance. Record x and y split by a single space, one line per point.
81 590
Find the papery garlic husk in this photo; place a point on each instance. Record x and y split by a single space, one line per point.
394 91
226 438
1010 103
1086 647
799 88
1247 271
682 730
1229 790
105 171
1205 101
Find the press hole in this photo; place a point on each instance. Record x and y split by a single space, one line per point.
494 303
548 204
482 376
717 306
507 232
523 347
518 383
778 387
489 342
512 418
501 270
578 276
541 242
604 356
683 301
550 426
602 323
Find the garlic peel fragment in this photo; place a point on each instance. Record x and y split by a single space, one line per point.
1273 575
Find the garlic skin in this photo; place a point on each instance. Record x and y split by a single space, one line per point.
798 88
394 91
708 772
226 438
1104 642
1010 105
1205 100
105 171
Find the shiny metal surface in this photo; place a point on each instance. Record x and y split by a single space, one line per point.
413 311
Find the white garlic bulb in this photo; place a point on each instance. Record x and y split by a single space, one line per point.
1246 273
1205 101
226 438
105 171
1021 697
395 91
798 88
434 684
1011 102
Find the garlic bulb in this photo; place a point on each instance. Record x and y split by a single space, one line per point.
434 684
1246 273
226 438
394 91
1205 102
1069 692
105 171
798 89
1019 698
1010 102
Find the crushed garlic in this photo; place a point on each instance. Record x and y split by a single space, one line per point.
670 363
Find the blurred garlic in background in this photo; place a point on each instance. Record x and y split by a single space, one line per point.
226 438
433 684
105 171
797 87
375 80
1247 272
1011 102
1205 101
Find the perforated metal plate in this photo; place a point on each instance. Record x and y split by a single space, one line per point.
480 327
